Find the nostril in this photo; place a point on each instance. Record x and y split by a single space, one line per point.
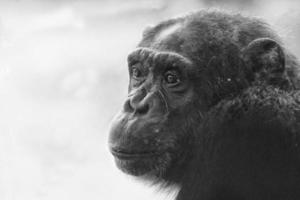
143 109
140 108
128 107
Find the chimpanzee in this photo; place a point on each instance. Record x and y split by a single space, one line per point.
214 108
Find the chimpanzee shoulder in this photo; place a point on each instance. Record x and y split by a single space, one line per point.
260 104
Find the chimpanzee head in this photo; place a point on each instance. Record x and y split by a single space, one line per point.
181 69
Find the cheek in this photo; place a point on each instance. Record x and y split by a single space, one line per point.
185 124
180 100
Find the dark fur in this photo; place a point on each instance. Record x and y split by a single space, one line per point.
233 131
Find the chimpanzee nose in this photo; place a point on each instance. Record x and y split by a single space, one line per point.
142 109
138 102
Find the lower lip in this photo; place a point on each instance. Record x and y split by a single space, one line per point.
133 155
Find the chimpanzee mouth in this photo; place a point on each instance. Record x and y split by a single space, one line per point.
126 155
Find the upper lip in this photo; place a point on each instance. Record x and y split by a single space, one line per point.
120 153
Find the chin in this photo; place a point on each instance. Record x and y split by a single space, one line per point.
152 165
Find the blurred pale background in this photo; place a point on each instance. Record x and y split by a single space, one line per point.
63 76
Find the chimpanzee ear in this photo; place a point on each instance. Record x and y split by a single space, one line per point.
265 59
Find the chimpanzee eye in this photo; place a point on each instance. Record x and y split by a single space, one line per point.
172 78
136 73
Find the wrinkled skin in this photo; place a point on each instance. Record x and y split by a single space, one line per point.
142 133
213 107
